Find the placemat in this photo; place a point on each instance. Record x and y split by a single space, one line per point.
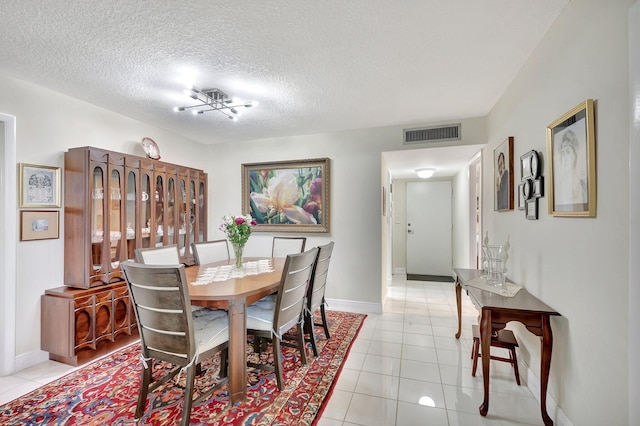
225 272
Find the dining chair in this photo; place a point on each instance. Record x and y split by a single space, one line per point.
315 295
282 246
499 339
165 255
210 251
272 322
171 332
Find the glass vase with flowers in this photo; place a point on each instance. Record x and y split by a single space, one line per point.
238 230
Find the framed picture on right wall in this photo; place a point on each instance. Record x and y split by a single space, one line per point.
571 148
503 175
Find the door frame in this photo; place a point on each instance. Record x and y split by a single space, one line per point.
9 245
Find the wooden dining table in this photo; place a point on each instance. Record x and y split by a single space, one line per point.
234 295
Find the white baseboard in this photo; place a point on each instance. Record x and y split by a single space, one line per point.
399 271
30 359
533 383
351 306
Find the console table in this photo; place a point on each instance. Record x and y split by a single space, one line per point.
496 312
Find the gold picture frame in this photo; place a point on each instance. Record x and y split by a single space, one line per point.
39 225
39 186
571 148
287 196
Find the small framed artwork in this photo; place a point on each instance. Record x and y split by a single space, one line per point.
288 196
571 148
531 210
529 165
39 186
524 193
39 225
538 187
503 175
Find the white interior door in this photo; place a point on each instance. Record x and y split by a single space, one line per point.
429 228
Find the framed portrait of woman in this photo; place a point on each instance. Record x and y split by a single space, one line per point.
571 148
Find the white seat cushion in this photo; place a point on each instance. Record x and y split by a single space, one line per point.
211 328
259 318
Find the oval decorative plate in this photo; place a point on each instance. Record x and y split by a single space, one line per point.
151 148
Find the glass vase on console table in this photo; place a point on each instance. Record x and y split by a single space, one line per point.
497 273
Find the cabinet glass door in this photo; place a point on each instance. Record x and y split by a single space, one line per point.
131 215
159 214
115 225
183 243
171 210
192 211
201 214
145 210
97 218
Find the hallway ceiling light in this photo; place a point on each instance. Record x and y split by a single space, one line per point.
214 100
425 173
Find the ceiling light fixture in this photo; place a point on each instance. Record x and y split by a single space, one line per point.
425 173
214 100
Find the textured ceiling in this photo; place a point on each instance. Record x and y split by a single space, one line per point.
314 66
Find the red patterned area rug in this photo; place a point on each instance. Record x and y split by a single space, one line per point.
105 392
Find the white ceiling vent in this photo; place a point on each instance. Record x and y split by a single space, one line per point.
450 132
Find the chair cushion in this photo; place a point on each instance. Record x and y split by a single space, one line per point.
211 328
260 316
267 302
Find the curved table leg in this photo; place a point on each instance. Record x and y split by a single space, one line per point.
545 366
459 305
485 354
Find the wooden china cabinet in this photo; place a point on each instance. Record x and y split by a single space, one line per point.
113 204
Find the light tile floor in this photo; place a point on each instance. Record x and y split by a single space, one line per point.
405 368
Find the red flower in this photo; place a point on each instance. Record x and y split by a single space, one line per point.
316 190
311 207
239 220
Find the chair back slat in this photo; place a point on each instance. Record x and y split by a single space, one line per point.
165 255
210 251
162 306
293 289
319 277
282 246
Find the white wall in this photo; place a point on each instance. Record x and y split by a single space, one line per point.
634 213
463 208
579 266
400 226
47 125
355 198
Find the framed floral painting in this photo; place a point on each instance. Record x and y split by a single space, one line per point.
287 196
